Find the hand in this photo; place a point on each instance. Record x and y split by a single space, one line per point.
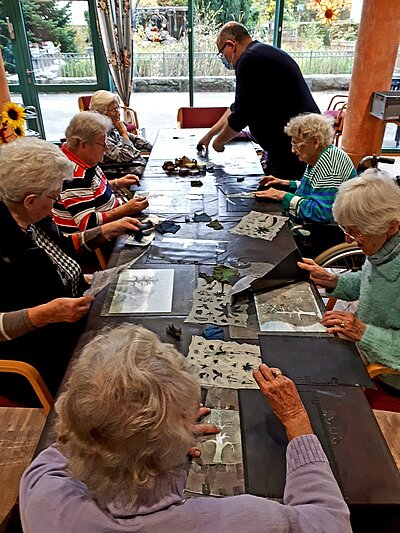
318 274
202 429
272 193
283 398
136 205
218 145
110 230
120 126
127 181
345 323
271 180
60 310
204 142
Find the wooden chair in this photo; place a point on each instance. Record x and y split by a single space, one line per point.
130 115
337 110
377 369
199 117
34 378
20 430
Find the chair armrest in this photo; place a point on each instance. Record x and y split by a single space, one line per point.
375 369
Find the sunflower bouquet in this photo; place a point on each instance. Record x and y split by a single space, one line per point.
12 119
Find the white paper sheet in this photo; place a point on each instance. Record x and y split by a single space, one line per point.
259 225
143 291
224 363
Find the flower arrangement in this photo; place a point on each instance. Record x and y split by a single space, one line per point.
12 122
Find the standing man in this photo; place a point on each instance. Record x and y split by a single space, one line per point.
270 90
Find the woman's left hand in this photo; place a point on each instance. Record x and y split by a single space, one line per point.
272 193
345 323
202 429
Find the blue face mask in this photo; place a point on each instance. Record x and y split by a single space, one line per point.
226 63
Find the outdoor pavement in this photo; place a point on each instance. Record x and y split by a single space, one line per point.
159 110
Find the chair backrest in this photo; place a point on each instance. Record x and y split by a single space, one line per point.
84 103
199 117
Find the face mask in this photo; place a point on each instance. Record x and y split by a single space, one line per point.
226 63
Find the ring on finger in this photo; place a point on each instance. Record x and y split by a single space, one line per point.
342 324
277 373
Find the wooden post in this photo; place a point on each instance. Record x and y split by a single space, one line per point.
375 56
4 92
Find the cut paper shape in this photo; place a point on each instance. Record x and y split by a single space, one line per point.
212 305
215 224
259 225
224 363
291 308
201 217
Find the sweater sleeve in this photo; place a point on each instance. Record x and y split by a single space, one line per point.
312 496
316 207
348 286
381 345
120 150
14 324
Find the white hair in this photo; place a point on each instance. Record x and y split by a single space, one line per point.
309 126
31 166
126 414
85 127
101 100
370 202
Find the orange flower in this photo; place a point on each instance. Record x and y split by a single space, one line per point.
329 12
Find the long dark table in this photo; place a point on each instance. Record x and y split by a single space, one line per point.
340 415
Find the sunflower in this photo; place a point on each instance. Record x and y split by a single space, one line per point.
14 114
19 131
329 12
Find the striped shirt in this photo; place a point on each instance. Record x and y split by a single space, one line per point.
316 192
85 199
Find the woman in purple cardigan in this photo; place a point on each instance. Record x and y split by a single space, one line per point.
124 429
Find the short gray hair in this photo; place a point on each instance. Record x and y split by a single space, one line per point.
309 126
370 202
31 166
125 416
233 31
85 127
101 100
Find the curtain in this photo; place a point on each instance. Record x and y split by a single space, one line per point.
114 19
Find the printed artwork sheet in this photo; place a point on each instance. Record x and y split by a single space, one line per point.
224 363
259 225
219 470
291 308
212 305
143 291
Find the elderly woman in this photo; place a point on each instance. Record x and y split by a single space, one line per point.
367 208
327 167
87 199
125 425
41 301
122 147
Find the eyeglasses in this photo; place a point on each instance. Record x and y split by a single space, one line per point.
349 235
104 145
114 110
297 145
220 54
54 198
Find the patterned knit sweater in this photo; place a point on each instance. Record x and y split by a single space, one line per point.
377 287
315 194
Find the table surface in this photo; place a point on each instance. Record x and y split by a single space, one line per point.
179 199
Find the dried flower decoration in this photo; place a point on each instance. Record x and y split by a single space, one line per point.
328 12
12 122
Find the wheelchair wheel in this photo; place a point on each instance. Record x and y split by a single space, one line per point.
340 259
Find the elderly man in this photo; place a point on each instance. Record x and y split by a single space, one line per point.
270 90
88 200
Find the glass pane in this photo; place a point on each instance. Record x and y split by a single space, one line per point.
6 49
321 36
60 41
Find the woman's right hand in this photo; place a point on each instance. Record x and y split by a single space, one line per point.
283 398
271 180
204 142
60 310
319 274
